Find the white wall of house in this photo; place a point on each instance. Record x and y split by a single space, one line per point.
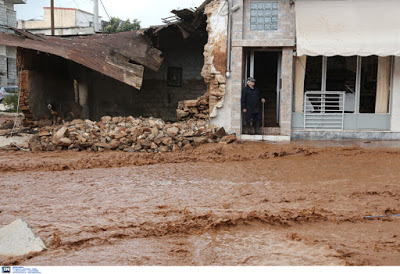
84 19
395 119
64 32
63 18
224 117
67 21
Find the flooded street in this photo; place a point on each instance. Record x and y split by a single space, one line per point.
238 204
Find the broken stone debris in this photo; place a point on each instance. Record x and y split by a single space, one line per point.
128 134
18 239
193 109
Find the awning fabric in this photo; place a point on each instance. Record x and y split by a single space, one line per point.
348 27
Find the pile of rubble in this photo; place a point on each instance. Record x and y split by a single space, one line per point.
127 134
193 109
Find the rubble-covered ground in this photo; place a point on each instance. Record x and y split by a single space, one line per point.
297 203
128 134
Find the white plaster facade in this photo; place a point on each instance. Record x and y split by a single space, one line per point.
67 21
217 25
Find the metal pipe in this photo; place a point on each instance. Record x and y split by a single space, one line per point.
229 34
52 16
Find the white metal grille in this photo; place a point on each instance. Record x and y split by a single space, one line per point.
324 109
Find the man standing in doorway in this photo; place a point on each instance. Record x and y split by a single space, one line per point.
251 98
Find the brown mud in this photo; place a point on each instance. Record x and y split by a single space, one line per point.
218 204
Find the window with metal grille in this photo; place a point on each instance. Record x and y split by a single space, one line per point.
264 15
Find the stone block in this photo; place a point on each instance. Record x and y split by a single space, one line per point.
228 139
18 239
61 133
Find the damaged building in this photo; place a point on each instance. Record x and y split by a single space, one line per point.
328 69
139 73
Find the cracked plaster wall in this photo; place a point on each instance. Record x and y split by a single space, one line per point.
214 68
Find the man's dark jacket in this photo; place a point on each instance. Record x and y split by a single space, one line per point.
251 99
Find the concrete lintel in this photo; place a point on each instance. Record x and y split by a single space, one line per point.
264 43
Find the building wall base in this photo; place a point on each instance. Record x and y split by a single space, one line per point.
344 135
271 138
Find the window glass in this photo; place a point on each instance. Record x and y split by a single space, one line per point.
313 78
264 15
341 75
369 71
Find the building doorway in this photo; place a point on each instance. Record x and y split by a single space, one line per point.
265 67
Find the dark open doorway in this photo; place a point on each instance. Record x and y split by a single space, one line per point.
265 66
266 73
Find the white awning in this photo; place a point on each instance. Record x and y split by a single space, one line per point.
348 27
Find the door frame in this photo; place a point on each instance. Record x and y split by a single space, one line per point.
249 72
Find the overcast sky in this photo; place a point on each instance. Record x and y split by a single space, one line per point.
148 12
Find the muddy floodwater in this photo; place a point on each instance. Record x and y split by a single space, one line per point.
238 204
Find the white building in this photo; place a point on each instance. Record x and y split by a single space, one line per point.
67 21
8 62
328 69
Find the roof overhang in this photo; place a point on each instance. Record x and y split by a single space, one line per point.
121 56
18 1
348 27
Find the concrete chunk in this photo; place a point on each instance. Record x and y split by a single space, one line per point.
18 239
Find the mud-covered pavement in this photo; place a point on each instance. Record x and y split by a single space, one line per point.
219 204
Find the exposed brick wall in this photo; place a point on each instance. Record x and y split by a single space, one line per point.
25 87
45 79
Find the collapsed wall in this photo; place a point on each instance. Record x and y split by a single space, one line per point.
178 78
50 79
214 69
46 79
